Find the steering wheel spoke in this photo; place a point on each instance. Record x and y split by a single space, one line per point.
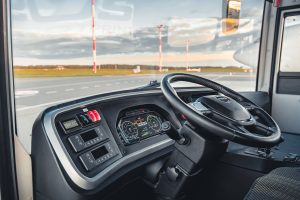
236 127
267 129
248 106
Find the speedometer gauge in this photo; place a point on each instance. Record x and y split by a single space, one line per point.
154 123
139 126
130 130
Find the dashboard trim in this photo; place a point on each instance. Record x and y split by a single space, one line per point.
69 166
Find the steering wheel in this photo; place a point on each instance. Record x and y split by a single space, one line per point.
227 114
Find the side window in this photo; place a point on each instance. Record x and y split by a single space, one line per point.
290 48
289 71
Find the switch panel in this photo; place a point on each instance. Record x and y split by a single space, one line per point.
97 156
87 139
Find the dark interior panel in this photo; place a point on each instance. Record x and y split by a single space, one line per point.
288 83
261 99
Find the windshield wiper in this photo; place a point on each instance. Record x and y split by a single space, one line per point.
151 84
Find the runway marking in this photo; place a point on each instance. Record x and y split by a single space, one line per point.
69 90
217 78
51 92
61 101
25 93
97 86
108 84
45 104
81 83
117 83
83 88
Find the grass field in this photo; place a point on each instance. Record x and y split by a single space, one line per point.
70 72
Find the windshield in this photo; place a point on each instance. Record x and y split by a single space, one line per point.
67 49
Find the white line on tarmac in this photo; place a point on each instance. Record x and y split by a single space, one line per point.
45 104
61 101
69 90
83 82
217 78
51 92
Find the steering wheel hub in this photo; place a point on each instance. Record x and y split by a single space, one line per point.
226 106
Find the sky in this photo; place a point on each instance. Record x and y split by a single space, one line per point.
58 32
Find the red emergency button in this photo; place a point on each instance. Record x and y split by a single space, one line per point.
92 116
97 115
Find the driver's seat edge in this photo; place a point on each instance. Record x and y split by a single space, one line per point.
281 183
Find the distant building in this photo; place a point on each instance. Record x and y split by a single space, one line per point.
60 67
193 69
137 69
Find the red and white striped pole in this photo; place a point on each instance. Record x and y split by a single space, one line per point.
187 54
160 46
277 3
94 38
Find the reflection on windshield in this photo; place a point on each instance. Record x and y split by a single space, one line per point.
134 42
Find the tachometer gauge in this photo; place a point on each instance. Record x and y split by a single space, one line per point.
154 122
130 130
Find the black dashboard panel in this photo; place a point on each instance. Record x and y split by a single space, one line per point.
75 150
89 135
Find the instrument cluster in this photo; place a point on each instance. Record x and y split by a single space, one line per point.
141 124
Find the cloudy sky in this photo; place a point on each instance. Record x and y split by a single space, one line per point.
59 31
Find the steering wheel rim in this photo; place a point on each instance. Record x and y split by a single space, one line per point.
237 134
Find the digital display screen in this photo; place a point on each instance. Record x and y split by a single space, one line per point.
70 124
87 136
98 153
144 125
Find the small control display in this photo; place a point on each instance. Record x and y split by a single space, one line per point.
101 151
70 124
87 136
97 156
87 139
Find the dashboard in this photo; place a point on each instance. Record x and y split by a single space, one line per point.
90 143
87 144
